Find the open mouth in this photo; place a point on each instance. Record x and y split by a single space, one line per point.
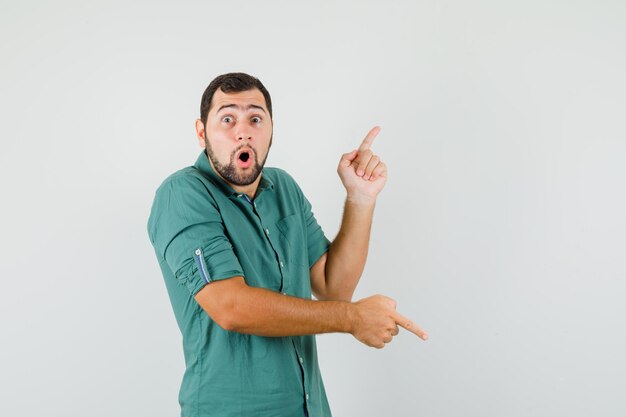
244 156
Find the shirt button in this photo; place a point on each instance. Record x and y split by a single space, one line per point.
301 360
267 231
307 397
282 265
284 293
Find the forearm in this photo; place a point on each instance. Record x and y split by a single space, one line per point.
262 312
363 175
348 253
236 307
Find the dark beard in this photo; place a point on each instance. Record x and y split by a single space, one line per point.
229 172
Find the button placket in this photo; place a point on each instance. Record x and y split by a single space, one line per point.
267 233
302 367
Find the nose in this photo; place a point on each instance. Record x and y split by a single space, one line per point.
243 134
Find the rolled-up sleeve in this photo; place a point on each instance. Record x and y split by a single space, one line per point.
187 231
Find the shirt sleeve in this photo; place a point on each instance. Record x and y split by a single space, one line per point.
317 242
187 231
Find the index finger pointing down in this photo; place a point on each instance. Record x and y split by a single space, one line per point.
407 324
369 139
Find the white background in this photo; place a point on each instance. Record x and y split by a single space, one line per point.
501 230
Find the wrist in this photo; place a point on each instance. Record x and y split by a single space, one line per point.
351 317
360 199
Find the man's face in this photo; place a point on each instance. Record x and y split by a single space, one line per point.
238 133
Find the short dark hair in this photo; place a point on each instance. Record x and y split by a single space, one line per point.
233 82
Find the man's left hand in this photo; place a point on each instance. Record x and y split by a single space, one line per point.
362 172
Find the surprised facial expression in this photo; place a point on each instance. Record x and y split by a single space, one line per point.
238 135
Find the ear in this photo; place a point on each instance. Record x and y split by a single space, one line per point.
200 133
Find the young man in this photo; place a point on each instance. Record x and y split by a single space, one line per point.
242 254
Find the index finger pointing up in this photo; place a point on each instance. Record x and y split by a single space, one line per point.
407 324
369 139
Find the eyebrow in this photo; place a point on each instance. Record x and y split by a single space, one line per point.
238 107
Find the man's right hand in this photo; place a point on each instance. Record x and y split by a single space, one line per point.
237 307
375 321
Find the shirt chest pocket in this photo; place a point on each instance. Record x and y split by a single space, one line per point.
292 242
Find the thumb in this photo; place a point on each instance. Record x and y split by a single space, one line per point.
347 158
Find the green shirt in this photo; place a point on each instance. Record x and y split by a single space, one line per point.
202 231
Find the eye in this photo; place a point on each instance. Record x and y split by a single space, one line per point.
256 119
227 119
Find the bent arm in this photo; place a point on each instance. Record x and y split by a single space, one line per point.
237 307
336 275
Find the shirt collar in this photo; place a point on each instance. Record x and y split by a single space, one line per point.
204 166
